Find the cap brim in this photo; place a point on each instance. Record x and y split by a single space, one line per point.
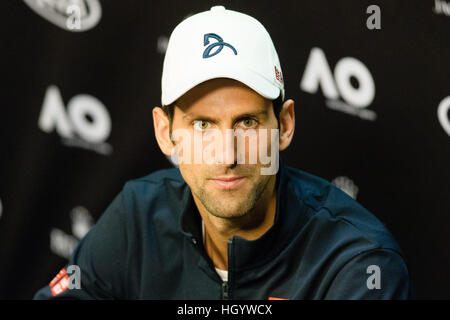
253 80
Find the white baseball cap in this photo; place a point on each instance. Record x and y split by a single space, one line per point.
220 43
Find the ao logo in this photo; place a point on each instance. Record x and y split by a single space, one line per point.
70 15
82 221
62 243
442 7
86 117
339 84
442 112
347 185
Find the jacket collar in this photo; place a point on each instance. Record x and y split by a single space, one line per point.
246 254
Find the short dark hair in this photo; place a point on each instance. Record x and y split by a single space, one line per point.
170 109
277 105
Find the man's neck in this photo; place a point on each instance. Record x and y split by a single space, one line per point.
251 226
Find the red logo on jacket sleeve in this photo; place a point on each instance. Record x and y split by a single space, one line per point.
60 283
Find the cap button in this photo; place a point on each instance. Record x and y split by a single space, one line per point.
218 8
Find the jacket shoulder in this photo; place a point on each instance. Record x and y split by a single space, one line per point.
159 176
159 194
155 183
331 206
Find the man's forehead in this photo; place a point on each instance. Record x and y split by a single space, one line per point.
219 89
219 111
221 96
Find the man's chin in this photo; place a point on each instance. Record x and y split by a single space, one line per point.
228 215
222 209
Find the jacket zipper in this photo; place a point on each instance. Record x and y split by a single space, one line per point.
225 291
225 294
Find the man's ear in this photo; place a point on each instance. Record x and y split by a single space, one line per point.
161 124
287 124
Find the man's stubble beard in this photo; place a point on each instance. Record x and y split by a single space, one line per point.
221 209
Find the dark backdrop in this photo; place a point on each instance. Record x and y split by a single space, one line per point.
76 118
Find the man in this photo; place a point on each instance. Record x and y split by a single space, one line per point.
224 225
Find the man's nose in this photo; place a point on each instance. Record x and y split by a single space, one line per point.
227 152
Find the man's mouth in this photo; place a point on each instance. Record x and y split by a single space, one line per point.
228 182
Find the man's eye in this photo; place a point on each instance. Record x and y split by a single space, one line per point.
201 124
248 123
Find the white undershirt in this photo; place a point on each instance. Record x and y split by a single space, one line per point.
223 274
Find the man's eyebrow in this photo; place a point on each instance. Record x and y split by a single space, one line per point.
190 116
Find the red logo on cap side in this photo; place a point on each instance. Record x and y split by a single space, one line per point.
278 75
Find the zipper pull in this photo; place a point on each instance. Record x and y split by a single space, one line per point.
225 291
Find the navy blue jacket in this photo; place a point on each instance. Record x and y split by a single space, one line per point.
323 245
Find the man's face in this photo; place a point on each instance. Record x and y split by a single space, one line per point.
226 189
